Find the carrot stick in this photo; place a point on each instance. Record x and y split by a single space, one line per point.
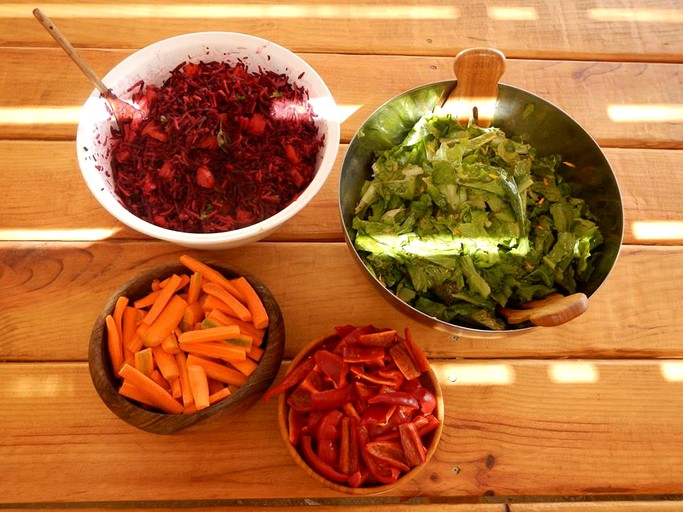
159 379
162 299
219 395
168 320
214 385
259 316
120 306
218 371
166 363
176 390
144 361
195 288
158 395
245 327
193 313
240 310
133 392
216 349
199 385
114 344
184 281
247 366
129 324
256 353
147 300
210 334
183 378
209 274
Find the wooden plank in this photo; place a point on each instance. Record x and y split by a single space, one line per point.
613 29
611 506
60 206
52 293
620 104
512 428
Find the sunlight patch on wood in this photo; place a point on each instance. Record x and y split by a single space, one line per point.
573 372
476 374
672 371
512 13
637 15
39 115
645 113
87 235
658 230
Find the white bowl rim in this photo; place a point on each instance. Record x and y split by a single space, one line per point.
331 148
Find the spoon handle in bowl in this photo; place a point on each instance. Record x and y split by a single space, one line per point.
550 311
70 50
478 71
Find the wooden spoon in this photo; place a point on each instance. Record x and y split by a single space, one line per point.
478 71
554 309
121 108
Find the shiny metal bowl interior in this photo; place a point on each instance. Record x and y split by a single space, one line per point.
542 124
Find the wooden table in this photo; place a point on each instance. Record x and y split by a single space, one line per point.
587 416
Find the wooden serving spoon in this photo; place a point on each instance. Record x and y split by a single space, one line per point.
478 71
554 309
121 108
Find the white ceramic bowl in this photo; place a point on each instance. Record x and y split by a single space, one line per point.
153 64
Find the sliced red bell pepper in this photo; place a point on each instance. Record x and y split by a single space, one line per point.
395 398
355 353
351 411
365 391
383 338
344 330
333 398
372 378
349 454
378 414
295 425
352 336
413 448
377 471
392 373
424 396
300 399
357 479
389 452
329 426
426 424
333 366
294 377
328 451
314 381
419 357
404 360
318 465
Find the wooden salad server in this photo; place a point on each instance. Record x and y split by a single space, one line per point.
554 309
121 108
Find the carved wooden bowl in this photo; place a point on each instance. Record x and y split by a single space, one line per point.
106 383
427 379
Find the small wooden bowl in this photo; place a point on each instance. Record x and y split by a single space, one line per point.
106 383
428 380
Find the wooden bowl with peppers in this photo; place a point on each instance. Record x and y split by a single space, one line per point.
185 342
360 410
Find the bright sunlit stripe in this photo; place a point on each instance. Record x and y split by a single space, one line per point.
672 371
645 113
58 234
477 374
39 115
272 10
573 372
517 13
34 386
346 111
637 15
658 230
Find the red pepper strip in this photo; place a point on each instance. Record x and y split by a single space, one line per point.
393 374
350 411
328 428
365 391
414 450
333 366
318 465
314 381
425 397
333 398
419 357
383 338
376 470
328 451
356 479
295 422
352 337
344 330
360 373
395 398
378 414
300 399
291 379
389 452
404 360
349 455
425 424
359 354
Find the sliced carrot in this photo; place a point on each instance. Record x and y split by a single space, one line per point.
156 285
219 395
247 367
176 390
184 281
162 299
159 379
147 300
218 371
114 344
256 353
129 324
184 379
167 364
195 288
199 385
216 349
209 274
144 361
133 392
193 313
119 307
259 316
239 309
153 391
210 334
168 320
214 385
245 327
170 344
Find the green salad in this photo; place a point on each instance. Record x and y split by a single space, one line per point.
457 221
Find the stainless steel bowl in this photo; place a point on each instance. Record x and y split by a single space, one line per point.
517 112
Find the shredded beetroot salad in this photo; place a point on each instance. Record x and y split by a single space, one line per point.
215 148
